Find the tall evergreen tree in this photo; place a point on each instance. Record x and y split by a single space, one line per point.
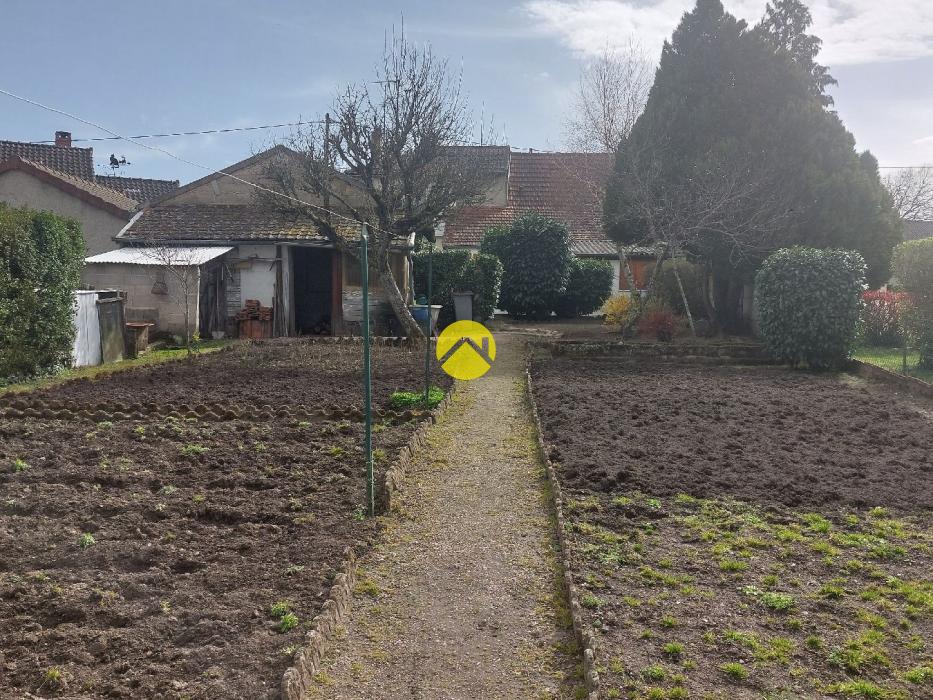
736 155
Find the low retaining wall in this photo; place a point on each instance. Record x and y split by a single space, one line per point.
583 634
910 385
725 352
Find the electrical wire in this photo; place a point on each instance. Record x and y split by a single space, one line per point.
210 170
190 133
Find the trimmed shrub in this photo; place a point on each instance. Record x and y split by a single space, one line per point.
808 304
666 289
880 322
658 322
588 286
447 269
483 276
495 242
535 255
913 267
41 256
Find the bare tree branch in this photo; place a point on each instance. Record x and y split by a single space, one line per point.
912 192
610 97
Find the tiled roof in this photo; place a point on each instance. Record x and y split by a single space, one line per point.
77 186
138 188
219 222
77 162
915 230
490 160
564 186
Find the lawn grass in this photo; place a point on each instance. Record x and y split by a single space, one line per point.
152 357
892 359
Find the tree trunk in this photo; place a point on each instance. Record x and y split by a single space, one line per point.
394 295
683 296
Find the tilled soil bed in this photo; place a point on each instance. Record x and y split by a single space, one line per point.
142 557
745 532
275 372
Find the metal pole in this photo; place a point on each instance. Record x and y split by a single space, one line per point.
367 375
427 332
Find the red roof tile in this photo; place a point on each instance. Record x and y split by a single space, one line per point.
139 189
77 162
565 186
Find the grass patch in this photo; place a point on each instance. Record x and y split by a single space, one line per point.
400 400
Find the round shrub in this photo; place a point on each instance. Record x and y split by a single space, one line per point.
588 286
617 311
483 277
807 302
536 257
913 268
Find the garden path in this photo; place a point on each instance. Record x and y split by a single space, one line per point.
461 597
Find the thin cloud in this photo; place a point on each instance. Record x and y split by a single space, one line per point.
853 31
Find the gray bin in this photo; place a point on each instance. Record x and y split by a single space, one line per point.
463 305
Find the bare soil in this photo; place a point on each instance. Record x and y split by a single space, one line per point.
275 372
141 557
746 532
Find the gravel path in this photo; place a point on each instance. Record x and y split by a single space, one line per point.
461 598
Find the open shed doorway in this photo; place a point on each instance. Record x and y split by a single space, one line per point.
313 290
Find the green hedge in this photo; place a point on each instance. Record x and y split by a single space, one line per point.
41 256
808 303
483 276
588 286
457 270
535 256
913 268
668 292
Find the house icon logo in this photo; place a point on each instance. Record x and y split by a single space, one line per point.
466 350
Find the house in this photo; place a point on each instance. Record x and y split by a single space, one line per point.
565 186
60 178
260 254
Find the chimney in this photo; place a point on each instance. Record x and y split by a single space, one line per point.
63 139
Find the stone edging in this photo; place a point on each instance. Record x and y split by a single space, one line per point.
911 385
299 677
585 637
391 483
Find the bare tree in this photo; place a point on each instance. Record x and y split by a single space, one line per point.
912 192
391 157
177 273
610 97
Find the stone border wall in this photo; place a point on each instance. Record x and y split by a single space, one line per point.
584 636
723 352
392 482
911 385
299 678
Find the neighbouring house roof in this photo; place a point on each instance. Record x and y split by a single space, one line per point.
174 256
86 190
915 230
77 162
139 189
490 160
220 222
564 186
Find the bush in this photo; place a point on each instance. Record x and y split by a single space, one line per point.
447 270
535 255
400 400
880 322
617 311
666 289
483 276
658 322
588 286
913 267
41 256
808 304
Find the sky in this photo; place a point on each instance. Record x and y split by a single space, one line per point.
152 67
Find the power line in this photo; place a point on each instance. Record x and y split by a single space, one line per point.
210 170
190 133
